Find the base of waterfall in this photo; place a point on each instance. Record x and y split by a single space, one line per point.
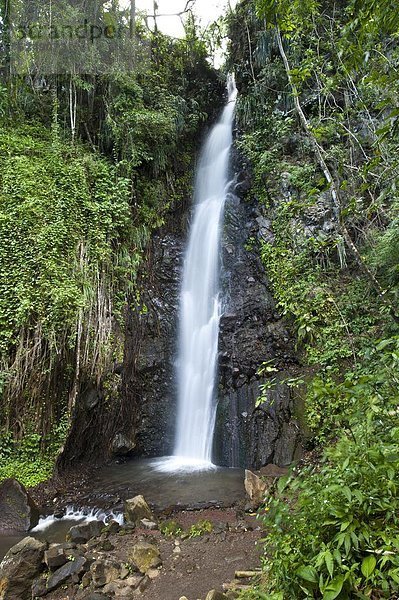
166 483
184 464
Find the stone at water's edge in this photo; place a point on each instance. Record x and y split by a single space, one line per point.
258 484
18 512
137 509
255 488
19 568
79 534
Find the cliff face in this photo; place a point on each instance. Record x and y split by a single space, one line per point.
135 412
151 341
251 333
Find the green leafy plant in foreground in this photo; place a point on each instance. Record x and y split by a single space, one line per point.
200 528
170 529
29 473
333 531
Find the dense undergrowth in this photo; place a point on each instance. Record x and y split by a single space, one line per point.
318 120
89 166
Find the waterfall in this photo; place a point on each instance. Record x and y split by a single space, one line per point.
200 307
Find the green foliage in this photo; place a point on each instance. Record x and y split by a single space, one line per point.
331 529
336 531
292 16
30 460
170 529
385 256
51 203
28 472
200 528
68 248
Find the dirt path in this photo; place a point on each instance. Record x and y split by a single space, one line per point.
206 562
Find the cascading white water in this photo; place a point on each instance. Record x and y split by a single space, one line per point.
200 308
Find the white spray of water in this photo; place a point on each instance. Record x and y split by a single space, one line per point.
200 308
78 515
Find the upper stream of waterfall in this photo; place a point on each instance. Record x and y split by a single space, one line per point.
200 307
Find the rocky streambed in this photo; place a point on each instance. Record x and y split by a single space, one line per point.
173 553
187 554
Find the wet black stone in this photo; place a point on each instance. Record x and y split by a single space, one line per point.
66 572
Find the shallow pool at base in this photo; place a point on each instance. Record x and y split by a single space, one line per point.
164 482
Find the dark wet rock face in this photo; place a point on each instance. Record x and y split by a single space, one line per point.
251 332
122 445
151 346
79 534
18 512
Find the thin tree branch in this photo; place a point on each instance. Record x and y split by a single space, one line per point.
334 188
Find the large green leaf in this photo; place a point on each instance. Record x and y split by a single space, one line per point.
308 573
368 565
334 588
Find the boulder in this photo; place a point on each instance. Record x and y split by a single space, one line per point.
80 534
55 557
20 566
73 570
122 445
255 488
104 572
137 509
145 556
18 512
